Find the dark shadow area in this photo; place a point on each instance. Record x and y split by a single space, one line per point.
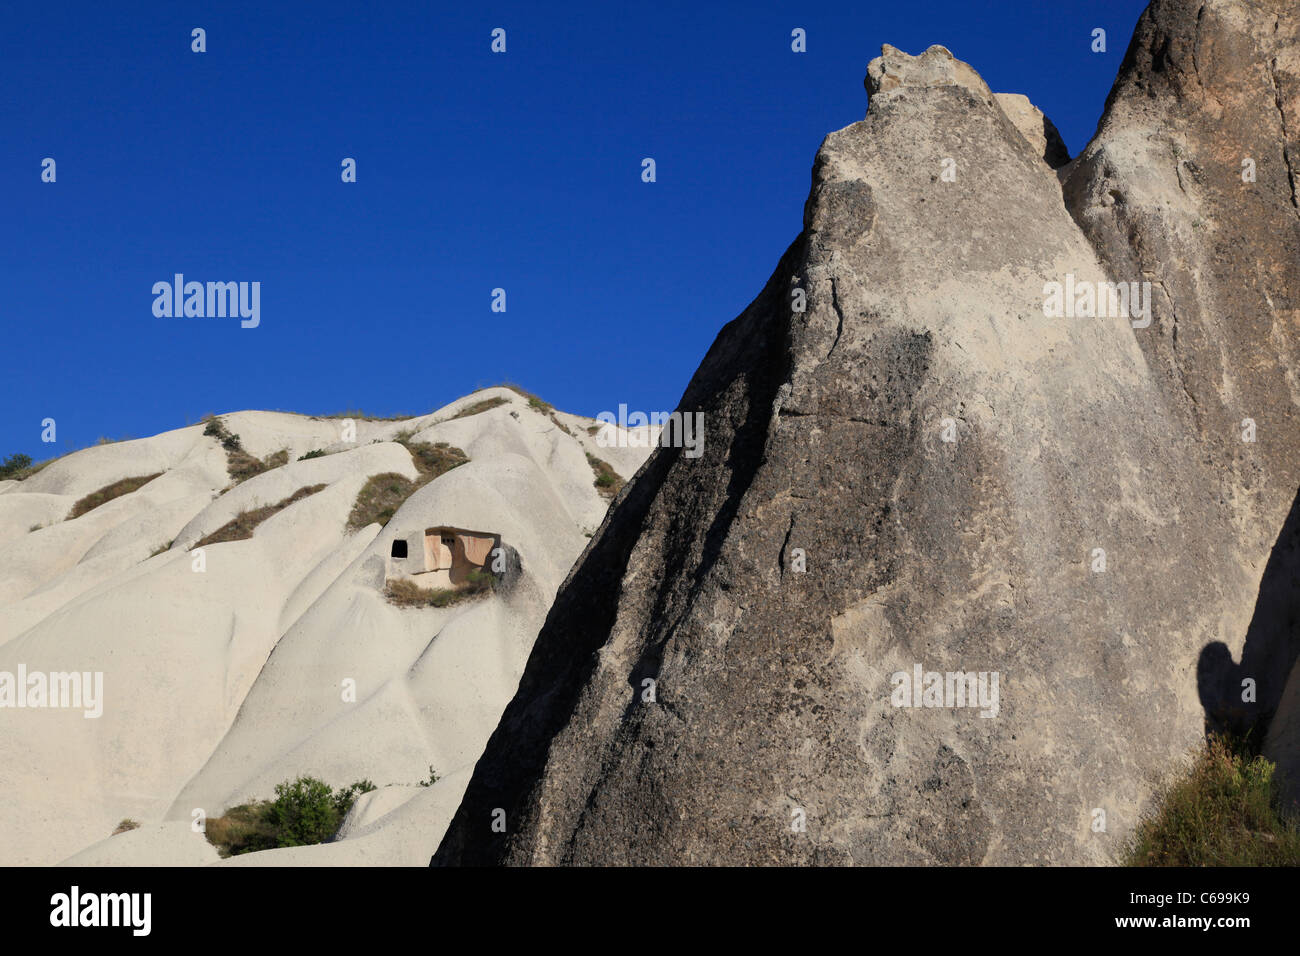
1272 642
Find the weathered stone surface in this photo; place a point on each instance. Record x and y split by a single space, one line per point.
1191 183
1041 134
826 433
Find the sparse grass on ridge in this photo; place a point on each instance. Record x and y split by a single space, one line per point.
478 407
106 494
362 416
534 402
20 467
125 825
1224 812
245 523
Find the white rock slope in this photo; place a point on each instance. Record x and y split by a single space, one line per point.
220 683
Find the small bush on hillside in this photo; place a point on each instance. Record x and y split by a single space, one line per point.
304 812
607 480
314 453
14 465
346 796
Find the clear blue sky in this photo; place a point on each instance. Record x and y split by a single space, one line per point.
475 171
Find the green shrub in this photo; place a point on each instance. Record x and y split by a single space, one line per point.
303 812
346 796
314 453
433 778
1225 812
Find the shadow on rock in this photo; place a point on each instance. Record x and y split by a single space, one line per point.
1272 641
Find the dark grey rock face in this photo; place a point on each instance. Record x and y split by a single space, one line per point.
921 468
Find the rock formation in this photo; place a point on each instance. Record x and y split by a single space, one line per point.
910 465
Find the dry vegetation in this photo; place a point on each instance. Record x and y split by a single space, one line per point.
478 407
382 495
357 414
240 465
1225 812
563 427
106 494
245 523
380 498
607 480
405 593
241 829
534 402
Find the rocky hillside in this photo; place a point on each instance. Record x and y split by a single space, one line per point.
916 462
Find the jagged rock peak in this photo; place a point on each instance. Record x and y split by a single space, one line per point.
895 70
